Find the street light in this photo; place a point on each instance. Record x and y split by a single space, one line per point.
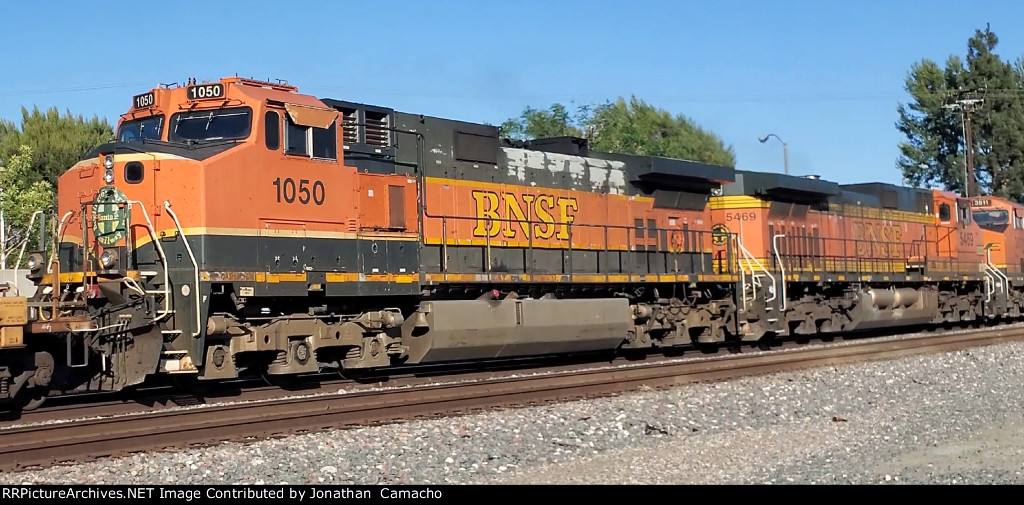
785 148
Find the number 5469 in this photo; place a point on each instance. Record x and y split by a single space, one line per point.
741 216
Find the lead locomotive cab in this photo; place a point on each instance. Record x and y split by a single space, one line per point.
200 178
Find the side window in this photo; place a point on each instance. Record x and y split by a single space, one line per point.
325 142
944 213
295 139
310 141
273 128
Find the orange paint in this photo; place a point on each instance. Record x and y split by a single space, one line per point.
471 212
251 189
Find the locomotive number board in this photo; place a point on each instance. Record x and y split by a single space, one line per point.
205 91
144 100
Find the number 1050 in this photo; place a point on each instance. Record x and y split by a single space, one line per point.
303 191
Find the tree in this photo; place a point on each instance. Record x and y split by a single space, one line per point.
633 127
553 122
934 153
637 127
57 141
6 128
20 198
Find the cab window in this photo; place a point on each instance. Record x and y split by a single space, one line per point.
212 124
944 214
273 130
138 129
310 141
992 219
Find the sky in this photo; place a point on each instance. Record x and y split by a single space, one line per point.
825 76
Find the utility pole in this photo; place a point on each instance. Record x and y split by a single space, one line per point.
965 106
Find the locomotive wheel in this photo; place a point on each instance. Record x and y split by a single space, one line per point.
31 399
280 381
360 375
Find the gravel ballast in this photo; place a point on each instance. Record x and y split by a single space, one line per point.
950 418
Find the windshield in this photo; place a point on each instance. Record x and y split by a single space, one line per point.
992 218
145 128
216 124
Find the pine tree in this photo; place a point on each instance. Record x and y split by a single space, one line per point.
934 153
57 141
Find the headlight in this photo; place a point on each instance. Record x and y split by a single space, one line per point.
108 162
108 176
35 261
108 259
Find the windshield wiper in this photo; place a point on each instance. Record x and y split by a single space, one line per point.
212 142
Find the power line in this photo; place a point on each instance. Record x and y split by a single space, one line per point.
69 90
692 98
826 96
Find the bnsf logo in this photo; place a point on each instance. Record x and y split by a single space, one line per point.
508 213
875 240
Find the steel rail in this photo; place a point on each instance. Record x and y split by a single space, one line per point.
47 444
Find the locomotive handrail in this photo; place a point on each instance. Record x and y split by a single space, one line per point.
54 263
865 258
57 239
444 244
195 266
696 238
811 254
752 260
782 268
743 277
992 272
164 312
21 251
988 259
989 286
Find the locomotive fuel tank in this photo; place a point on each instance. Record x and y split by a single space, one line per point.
450 330
879 307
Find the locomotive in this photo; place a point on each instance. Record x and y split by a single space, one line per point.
239 227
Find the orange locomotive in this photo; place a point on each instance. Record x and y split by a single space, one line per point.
240 227
819 257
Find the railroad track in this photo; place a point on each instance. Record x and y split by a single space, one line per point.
46 444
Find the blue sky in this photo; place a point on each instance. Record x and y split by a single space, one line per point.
826 76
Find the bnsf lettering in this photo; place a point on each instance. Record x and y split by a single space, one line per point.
508 214
875 240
